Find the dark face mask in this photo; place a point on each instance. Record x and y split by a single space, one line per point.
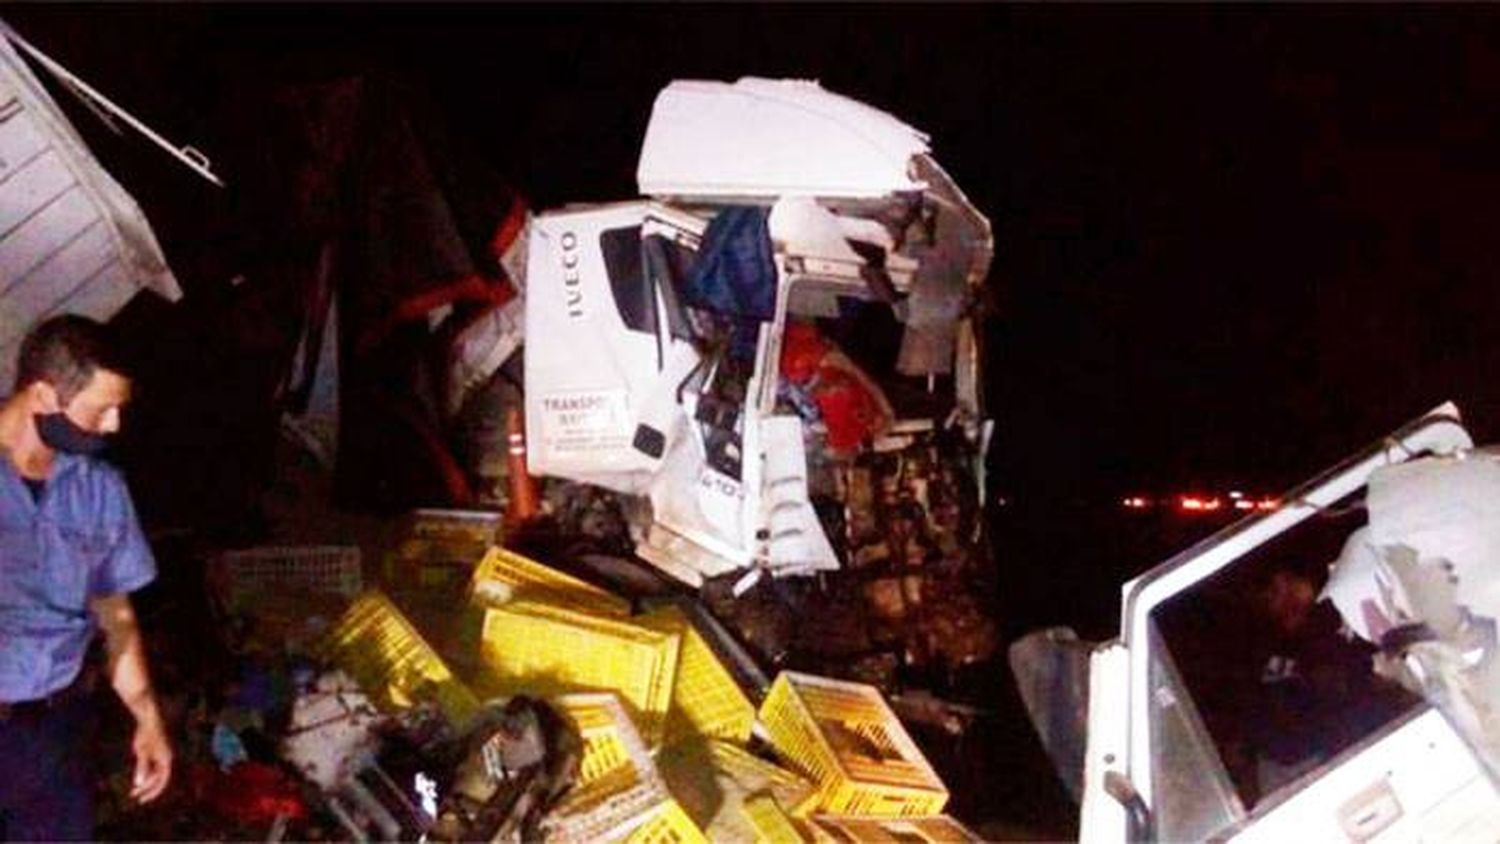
59 433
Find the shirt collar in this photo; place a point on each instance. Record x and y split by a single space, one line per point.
63 462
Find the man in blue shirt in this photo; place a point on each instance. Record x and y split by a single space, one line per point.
71 551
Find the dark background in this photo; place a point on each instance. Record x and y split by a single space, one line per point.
1233 244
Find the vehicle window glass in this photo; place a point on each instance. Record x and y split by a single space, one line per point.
1192 795
1275 684
665 263
632 291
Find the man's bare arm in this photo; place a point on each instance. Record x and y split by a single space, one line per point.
132 682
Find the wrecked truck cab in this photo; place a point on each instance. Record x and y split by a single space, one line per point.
1403 747
863 208
599 336
679 346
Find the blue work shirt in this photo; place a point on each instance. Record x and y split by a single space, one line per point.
79 541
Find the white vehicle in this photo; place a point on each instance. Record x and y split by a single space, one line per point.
1418 581
624 389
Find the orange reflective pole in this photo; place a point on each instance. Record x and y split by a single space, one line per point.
522 505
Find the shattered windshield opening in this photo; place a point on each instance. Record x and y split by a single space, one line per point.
1281 687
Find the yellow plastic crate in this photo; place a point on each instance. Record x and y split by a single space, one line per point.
712 780
610 740
608 809
939 829
503 576
795 794
439 548
668 825
846 739
479 526
427 562
706 700
769 822
643 813
391 661
549 650
620 796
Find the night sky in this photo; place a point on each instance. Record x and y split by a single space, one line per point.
1234 244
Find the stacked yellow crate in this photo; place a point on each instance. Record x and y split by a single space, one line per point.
610 740
544 649
391 661
795 795
549 634
769 822
846 739
439 548
668 825
706 700
619 796
939 829
714 779
503 576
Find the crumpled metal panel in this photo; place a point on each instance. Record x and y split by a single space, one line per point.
1445 509
71 239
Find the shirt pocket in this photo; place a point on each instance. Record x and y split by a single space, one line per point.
72 571
23 568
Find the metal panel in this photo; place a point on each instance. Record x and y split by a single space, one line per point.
71 239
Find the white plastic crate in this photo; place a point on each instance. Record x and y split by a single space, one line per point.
334 569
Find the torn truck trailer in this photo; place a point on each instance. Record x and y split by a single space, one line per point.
1327 738
71 239
656 364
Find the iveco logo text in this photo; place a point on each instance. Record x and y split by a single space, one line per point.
572 283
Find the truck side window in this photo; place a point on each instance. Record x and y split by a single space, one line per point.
1193 797
634 298
1275 687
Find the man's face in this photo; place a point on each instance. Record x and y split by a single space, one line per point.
1289 597
96 408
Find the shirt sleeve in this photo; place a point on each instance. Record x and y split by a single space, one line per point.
129 565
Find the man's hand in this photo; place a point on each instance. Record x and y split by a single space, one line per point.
153 762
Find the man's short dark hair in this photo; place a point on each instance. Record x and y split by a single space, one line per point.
64 351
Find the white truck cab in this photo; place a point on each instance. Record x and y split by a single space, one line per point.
625 388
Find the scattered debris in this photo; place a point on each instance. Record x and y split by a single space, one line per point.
713 399
608 724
